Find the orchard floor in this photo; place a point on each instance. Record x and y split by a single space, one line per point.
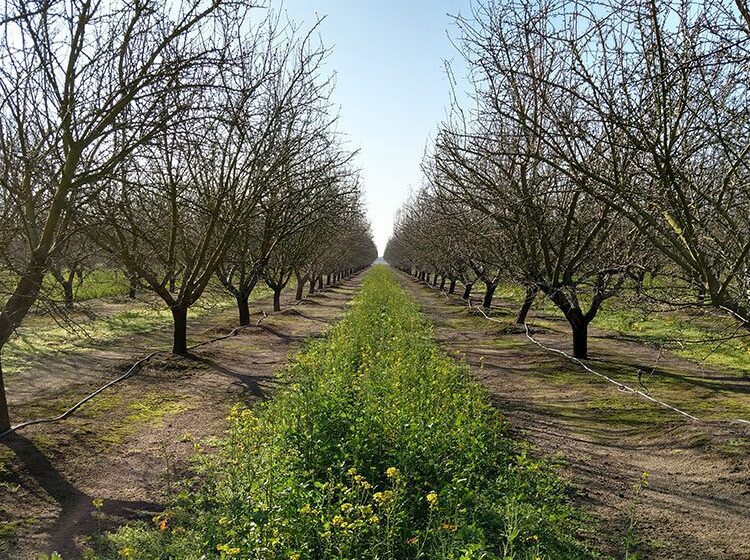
130 445
697 503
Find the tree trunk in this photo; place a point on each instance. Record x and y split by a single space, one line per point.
467 291
68 291
527 302
300 285
452 287
580 340
4 414
320 282
244 308
179 344
328 280
172 286
442 282
133 284
488 294
427 278
434 280
277 299
312 286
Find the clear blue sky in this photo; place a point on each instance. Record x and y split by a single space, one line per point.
390 85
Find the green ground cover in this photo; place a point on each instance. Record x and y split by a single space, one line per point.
708 337
378 446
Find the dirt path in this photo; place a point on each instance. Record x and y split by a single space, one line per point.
697 504
132 444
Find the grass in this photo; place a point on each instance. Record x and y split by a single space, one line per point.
99 283
125 419
378 446
42 337
692 335
709 395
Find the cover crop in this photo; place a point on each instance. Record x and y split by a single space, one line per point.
379 446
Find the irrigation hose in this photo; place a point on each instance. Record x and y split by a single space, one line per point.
621 386
137 366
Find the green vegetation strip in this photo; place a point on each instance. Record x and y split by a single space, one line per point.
379 446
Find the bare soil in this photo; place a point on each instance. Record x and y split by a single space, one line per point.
697 502
130 445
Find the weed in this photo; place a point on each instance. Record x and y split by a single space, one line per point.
630 540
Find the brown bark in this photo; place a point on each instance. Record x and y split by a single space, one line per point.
67 286
527 303
243 308
300 285
179 318
452 287
133 284
277 299
4 413
488 295
580 340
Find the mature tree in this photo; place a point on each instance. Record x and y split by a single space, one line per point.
645 107
307 185
185 199
559 237
69 73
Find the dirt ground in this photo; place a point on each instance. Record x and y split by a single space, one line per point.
129 446
697 502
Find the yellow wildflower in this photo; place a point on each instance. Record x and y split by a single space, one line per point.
449 527
383 498
374 520
337 521
346 507
432 499
359 479
304 510
98 503
127 552
392 472
228 550
224 520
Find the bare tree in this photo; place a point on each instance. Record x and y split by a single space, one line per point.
645 106
69 71
185 199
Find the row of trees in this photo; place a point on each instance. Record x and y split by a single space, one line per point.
605 148
190 144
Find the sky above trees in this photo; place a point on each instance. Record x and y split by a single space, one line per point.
392 87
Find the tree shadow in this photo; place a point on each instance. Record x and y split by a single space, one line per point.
78 515
248 381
